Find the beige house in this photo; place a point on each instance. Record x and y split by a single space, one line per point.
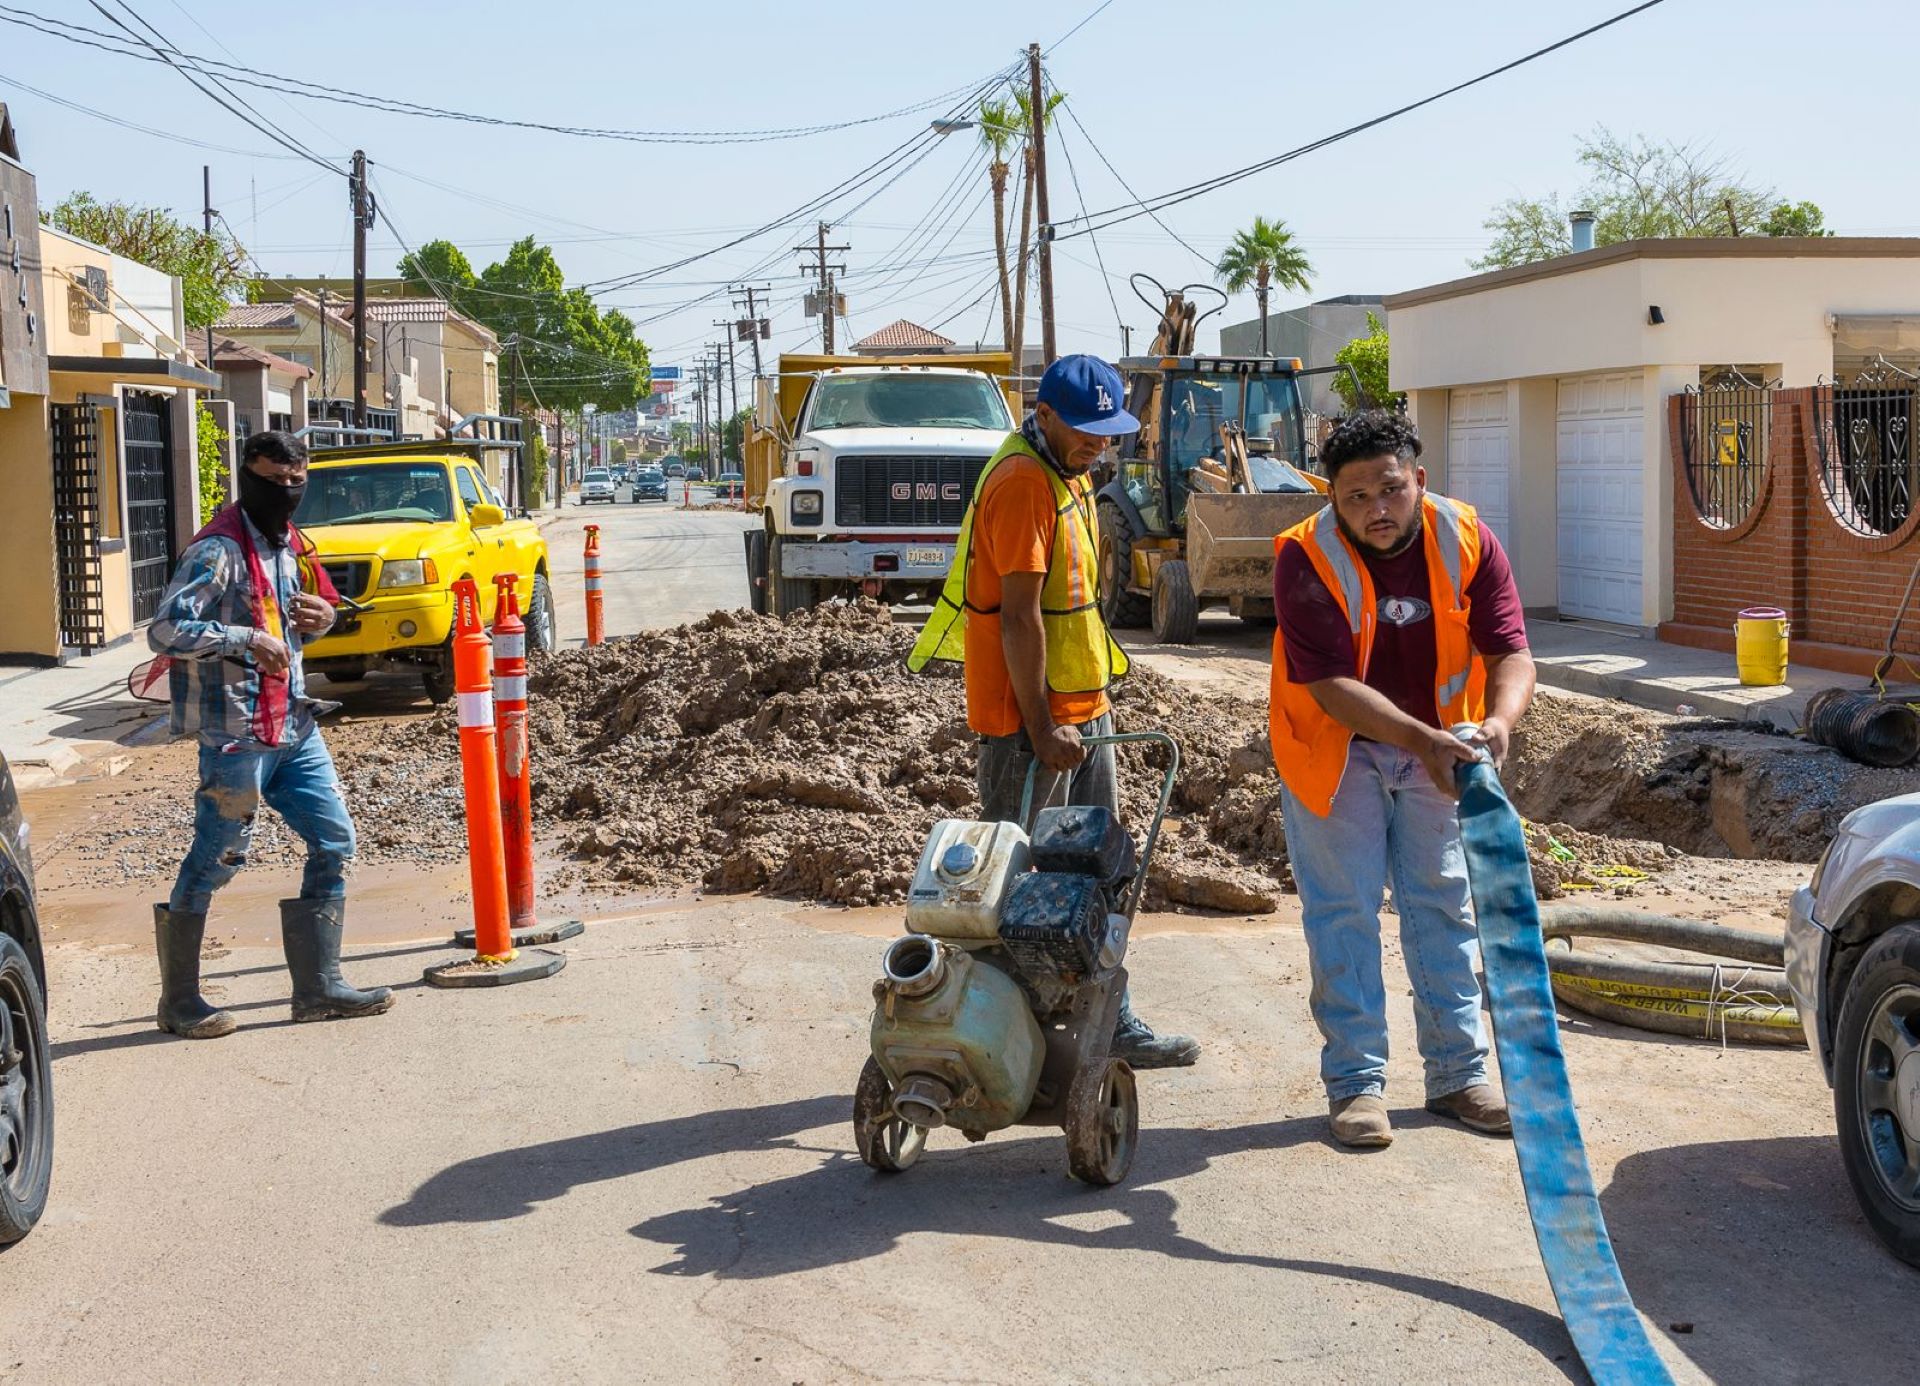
1541 391
304 329
266 391
30 620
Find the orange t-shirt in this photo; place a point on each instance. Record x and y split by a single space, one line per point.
1012 533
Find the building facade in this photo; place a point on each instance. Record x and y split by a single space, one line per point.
1313 333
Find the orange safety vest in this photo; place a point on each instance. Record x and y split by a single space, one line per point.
1310 747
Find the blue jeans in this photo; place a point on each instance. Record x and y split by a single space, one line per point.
1388 823
298 782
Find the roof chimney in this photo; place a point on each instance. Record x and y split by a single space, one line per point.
1582 224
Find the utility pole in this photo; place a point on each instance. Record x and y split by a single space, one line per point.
824 270
755 325
206 212
1045 235
728 331
362 219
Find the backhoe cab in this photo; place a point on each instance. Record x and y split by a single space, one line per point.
1219 467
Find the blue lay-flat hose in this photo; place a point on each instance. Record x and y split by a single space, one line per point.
1567 1221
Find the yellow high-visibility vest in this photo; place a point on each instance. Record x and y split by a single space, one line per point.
1081 655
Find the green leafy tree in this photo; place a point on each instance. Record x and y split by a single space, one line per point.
535 480
682 434
211 266
1638 189
733 436
1368 357
1795 219
619 452
694 454
440 270
210 453
1263 255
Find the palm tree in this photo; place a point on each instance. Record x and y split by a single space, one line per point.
1024 101
1259 258
1000 132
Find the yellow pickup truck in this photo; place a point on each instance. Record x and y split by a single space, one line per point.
396 524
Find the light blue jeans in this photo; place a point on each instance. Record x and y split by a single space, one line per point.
1388 824
298 782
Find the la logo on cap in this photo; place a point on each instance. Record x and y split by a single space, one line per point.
1102 400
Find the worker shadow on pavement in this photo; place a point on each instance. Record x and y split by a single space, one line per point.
1758 1247
841 1212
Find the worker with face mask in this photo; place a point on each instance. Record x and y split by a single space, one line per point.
245 597
1398 620
1021 611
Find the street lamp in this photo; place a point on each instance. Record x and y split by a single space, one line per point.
947 127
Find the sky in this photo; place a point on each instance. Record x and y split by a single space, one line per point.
1159 96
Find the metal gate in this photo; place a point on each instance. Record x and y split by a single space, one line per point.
148 430
76 525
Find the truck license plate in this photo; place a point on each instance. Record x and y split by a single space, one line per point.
929 558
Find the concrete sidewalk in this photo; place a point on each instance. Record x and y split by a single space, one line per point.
63 722
1651 673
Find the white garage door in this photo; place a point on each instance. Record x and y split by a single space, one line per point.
1600 456
1477 454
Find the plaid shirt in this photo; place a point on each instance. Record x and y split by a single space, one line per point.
205 624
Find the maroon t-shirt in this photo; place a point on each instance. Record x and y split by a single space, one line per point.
1319 642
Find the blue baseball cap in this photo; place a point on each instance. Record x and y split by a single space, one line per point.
1087 395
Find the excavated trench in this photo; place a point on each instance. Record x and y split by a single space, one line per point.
801 759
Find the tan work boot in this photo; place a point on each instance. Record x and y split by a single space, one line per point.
1361 1122
1477 1108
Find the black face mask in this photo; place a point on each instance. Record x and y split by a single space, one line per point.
269 504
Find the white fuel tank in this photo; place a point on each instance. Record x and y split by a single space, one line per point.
963 876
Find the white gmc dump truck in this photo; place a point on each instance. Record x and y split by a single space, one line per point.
861 469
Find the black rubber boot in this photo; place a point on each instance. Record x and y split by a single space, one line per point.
1134 1041
183 1011
310 932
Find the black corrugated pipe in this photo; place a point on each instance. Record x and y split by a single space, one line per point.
1863 727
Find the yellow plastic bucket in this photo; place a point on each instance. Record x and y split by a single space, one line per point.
1760 646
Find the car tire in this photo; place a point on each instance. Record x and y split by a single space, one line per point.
26 1094
543 627
1119 608
436 679
1874 1057
788 594
1176 611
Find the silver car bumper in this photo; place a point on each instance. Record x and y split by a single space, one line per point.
1807 947
857 559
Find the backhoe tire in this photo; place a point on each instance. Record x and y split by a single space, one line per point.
789 594
1119 608
1176 611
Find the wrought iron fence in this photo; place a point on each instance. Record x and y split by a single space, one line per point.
1869 463
1725 440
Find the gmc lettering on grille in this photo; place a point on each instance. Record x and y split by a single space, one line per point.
873 492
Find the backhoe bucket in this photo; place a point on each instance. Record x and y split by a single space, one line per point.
1230 539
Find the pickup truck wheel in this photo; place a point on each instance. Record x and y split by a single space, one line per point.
789 594
1119 608
1876 1088
1176 611
543 630
437 678
26 1095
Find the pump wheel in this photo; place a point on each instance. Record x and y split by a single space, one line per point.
885 1142
1176 611
1119 608
1103 1123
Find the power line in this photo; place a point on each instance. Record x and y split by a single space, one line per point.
1106 280
1162 201
1067 106
1081 25
319 91
126 124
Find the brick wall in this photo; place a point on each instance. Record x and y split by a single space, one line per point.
1839 589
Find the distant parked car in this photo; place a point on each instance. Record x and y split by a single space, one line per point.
673 466
730 485
1853 964
26 1066
649 483
596 485
695 474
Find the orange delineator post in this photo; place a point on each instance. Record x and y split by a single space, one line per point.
480 776
596 607
516 788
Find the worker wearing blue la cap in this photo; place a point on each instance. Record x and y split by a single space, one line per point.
1021 611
